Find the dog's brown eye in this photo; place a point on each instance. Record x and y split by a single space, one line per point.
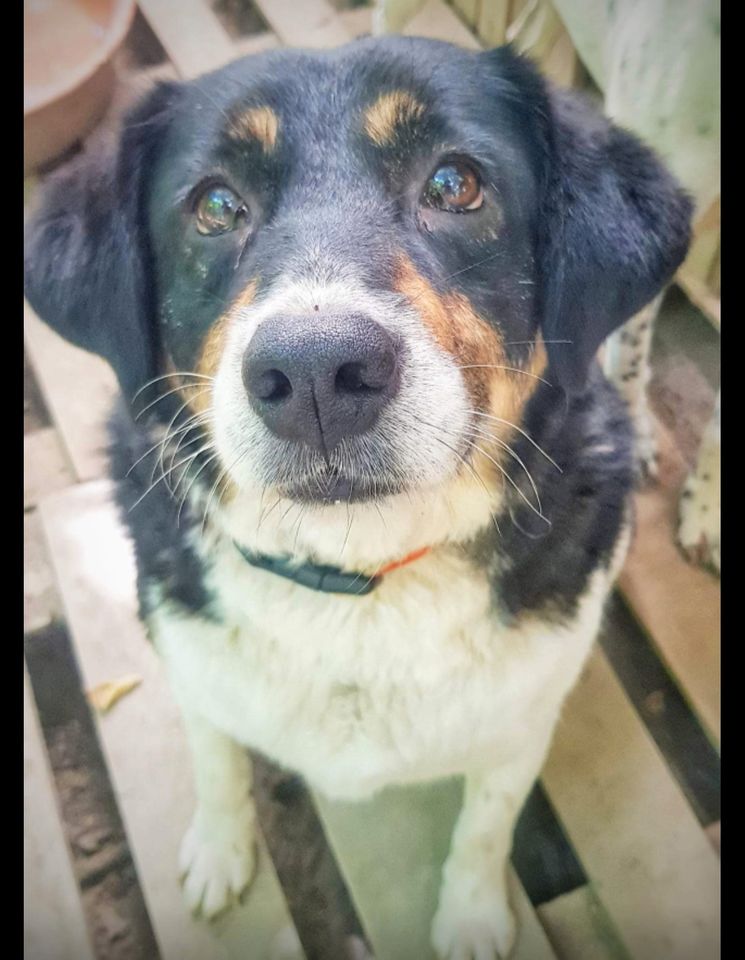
454 186
219 210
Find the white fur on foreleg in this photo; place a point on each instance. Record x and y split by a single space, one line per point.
473 919
218 859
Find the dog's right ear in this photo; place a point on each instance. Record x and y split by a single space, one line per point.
87 253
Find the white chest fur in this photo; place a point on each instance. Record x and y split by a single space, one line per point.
416 680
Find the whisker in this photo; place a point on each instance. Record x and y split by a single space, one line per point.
497 366
167 376
490 416
168 394
191 484
514 343
490 437
174 418
538 512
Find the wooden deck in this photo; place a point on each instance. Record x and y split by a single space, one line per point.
649 859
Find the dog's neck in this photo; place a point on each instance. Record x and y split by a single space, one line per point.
364 537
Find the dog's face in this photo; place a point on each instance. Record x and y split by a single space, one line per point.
349 261
345 247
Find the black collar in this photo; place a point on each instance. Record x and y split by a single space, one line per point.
314 576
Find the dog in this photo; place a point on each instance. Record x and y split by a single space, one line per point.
377 484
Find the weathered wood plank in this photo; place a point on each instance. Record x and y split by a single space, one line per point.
561 63
645 853
493 22
314 23
677 603
191 34
391 850
439 22
54 925
78 389
41 603
45 466
468 11
142 736
435 20
579 927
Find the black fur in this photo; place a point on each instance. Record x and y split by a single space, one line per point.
167 564
545 564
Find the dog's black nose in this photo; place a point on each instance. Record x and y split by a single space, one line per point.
318 379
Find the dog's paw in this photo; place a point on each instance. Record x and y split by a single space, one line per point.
218 860
479 927
699 529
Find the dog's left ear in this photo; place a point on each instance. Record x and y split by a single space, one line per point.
87 256
614 226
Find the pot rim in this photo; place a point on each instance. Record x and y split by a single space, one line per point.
37 97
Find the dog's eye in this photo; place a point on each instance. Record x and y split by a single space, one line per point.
454 186
219 210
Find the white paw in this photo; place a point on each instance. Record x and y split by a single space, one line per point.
476 927
699 530
218 859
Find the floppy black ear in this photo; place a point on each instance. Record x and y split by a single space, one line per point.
87 257
614 227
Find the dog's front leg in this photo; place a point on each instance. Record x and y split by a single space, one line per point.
474 917
218 851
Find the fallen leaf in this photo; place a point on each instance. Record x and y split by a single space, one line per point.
105 695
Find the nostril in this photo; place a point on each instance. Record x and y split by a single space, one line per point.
367 377
272 386
350 378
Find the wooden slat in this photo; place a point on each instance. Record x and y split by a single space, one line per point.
493 22
391 16
190 33
435 21
468 11
54 925
677 603
45 466
700 295
40 600
78 389
579 927
561 63
714 833
438 22
142 736
391 850
647 857
314 23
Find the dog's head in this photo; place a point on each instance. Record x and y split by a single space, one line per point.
350 261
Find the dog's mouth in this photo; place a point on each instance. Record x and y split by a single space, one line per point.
335 487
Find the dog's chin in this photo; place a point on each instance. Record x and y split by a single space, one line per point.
339 488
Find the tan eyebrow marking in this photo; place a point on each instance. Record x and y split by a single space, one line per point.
390 110
257 123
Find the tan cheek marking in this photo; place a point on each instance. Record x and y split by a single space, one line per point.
472 343
257 123
389 111
213 348
477 349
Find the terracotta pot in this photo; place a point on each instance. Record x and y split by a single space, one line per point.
68 74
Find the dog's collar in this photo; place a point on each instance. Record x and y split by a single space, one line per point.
324 578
